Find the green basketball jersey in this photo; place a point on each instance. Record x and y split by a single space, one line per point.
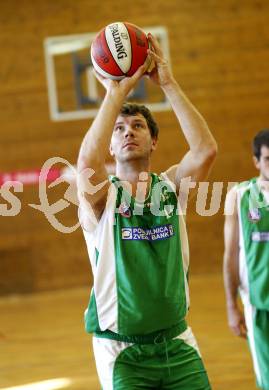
253 213
139 256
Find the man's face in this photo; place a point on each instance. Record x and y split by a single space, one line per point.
263 163
131 138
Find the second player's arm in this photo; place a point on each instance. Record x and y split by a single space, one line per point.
231 266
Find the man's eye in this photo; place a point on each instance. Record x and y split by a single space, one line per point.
120 128
138 125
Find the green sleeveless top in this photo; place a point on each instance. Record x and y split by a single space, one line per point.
254 237
139 263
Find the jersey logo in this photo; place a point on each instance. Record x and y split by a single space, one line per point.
254 215
125 210
156 233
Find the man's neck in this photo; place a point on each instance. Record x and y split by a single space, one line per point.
136 177
263 183
131 171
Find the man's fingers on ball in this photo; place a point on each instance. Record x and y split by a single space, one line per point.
152 38
157 58
155 43
154 55
141 70
137 75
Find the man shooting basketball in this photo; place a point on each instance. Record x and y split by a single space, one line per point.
139 252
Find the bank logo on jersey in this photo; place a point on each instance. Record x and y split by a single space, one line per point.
254 215
156 233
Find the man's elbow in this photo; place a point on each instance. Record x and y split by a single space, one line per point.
211 152
85 162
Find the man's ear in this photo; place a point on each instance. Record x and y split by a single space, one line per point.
111 151
256 162
154 144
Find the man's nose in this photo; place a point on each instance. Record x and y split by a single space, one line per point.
128 132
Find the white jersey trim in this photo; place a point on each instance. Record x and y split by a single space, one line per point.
243 271
104 272
249 311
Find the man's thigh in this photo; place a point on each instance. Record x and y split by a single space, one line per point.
123 366
186 370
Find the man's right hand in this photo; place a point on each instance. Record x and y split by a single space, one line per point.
236 321
120 89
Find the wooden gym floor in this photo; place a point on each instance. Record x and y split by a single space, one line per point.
42 338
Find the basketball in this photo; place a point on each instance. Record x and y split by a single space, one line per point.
119 50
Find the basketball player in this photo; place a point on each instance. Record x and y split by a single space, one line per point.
246 259
138 248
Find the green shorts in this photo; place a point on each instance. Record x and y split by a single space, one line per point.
173 364
257 322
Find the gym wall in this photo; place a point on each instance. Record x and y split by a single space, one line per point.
220 56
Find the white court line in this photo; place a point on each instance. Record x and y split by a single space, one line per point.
51 384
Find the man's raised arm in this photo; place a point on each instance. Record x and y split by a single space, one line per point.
92 175
202 145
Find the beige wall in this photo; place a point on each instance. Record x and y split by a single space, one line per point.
220 56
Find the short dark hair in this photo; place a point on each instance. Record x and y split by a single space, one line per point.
262 138
129 109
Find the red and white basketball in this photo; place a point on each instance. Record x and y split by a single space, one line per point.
118 50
